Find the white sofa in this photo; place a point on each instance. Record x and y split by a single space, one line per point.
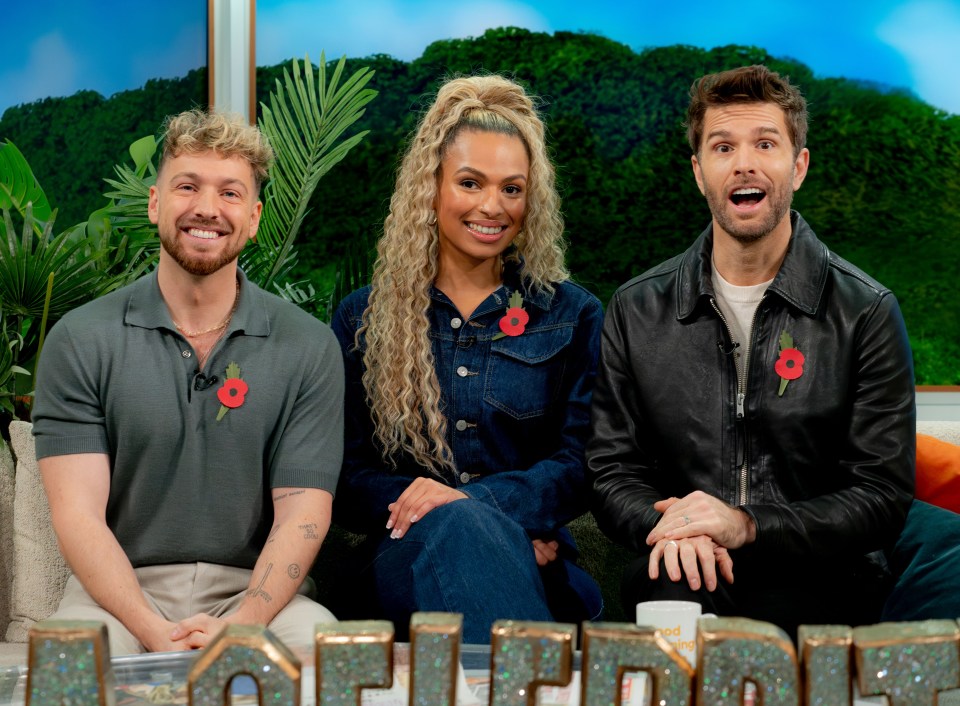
32 572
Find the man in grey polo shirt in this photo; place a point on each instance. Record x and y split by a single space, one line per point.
189 426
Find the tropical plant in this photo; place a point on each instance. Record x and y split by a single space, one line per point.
10 344
46 275
127 212
304 121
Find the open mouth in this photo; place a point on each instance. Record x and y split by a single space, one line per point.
748 196
485 230
203 234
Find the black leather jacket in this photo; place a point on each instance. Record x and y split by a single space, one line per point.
827 468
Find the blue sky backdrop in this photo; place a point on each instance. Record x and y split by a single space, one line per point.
57 47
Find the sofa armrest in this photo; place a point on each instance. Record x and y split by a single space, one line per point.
7 485
945 431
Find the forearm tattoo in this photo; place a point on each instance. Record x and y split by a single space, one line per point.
258 592
293 571
309 530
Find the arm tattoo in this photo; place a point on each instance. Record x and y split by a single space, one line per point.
293 571
309 531
273 531
292 492
258 592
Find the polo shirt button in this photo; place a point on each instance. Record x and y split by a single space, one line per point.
456 323
462 371
464 477
461 424
186 354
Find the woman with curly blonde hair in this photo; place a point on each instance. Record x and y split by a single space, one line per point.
470 361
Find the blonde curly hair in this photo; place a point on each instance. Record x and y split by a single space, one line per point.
399 377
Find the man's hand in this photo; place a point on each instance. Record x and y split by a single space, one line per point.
701 514
197 631
690 557
157 636
545 551
417 500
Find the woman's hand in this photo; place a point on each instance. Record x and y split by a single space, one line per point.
545 551
417 500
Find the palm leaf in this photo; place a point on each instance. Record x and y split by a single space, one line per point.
27 261
128 212
305 122
10 343
142 151
130 195
18 186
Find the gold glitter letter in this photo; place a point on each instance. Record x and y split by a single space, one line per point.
351 656
732 651
909 662
825 664
245 649
69 663
524 656
610 649
434 656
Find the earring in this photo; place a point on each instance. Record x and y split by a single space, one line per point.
432 221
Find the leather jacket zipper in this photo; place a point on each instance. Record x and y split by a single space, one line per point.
743 467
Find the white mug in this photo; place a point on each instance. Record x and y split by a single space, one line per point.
677 623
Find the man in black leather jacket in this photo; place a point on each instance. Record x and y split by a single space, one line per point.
754 409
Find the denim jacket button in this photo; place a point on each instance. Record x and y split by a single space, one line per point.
464 477
462 371
461 424
456 323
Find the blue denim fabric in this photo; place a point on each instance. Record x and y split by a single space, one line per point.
462 557
518 411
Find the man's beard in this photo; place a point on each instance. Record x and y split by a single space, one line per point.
753 230
198 266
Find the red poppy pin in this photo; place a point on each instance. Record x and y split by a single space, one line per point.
233 392
789 365
515 322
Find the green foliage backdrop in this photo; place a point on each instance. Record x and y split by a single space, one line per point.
883 189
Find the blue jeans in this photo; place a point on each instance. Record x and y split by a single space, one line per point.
467 557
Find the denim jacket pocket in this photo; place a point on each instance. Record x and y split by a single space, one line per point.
525 372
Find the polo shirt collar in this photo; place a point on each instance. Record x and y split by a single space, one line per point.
146 307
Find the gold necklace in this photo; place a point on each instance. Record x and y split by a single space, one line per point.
223 324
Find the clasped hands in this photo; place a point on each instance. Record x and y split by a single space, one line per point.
191 633
693 537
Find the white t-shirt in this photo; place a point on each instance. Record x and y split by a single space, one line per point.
738 305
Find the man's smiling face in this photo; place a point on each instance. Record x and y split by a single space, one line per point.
206 209
747 169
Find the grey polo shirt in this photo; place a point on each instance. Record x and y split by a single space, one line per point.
116 377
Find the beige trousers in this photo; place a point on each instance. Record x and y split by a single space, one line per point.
178 591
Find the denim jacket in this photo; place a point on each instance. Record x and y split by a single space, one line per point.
517 408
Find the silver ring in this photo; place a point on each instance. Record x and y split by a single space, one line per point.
686 520
673 543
